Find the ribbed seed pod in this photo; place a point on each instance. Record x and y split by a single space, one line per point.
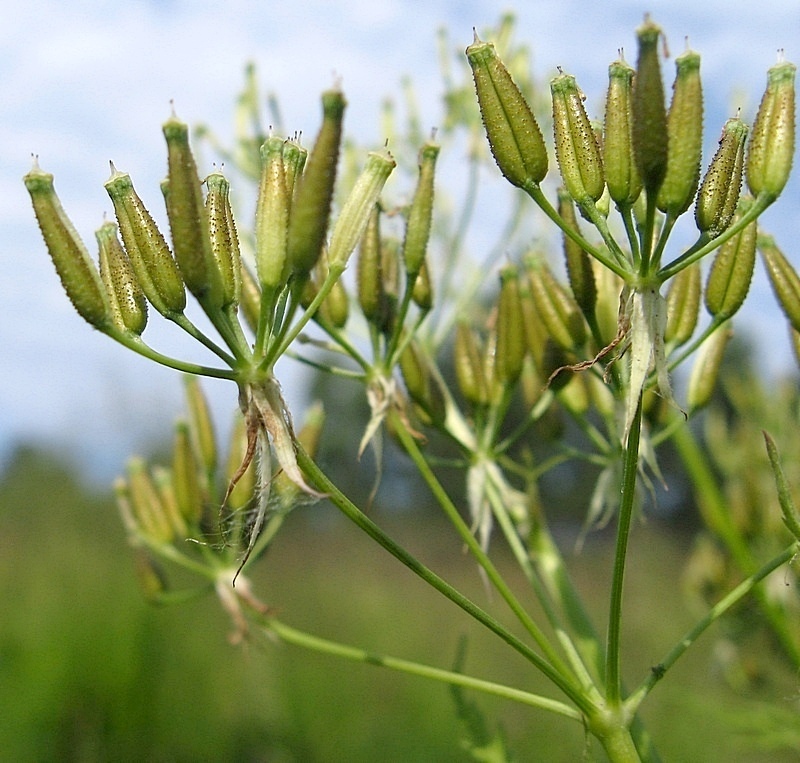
514 136
294 159
556 308
155 269
358 206
784 279
511 342
146 507
732 271
650 139
250 299
188 221
468 362
771 149
421 385
74 266
369 276
149 574
554 359
186 477
311 208
579 264
535 330
201 425
224 238
422 292
706 367
272 217
162 478
336 305
242 492
683 305
577 151
719 191
685 131
418 225
126 300
619 162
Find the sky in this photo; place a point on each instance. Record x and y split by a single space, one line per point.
88 81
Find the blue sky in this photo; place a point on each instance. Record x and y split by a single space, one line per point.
88 81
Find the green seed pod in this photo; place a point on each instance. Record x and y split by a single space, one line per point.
553 368
683 305
771 150
514 136
224 238
272 217
358 207
784 279
250 298
577 151
201 425
418 225
579 264
188 221
186 476
573 395
308 223
535 330
468 362
126 299
731 272
650 138
422 293
719 191
294 159
685 131
149 574
556 308
369 276
422 386
74 266
511 341
162 479
147 249
145 502
242 492
336 305
794 338
619 161
706 367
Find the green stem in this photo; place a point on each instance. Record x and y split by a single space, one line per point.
717 517
300 638
474 546
136 343
353 513
704 245
719 609
536 193
629 473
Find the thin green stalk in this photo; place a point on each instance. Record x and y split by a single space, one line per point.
629 473
300 638
717 517
352 512
181 320
719 609
704 245
536 193
474 546
136 343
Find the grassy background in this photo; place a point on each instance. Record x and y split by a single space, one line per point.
90 672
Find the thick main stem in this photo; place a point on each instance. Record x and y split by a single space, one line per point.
630 468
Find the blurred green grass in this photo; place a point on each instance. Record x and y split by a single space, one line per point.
90 672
